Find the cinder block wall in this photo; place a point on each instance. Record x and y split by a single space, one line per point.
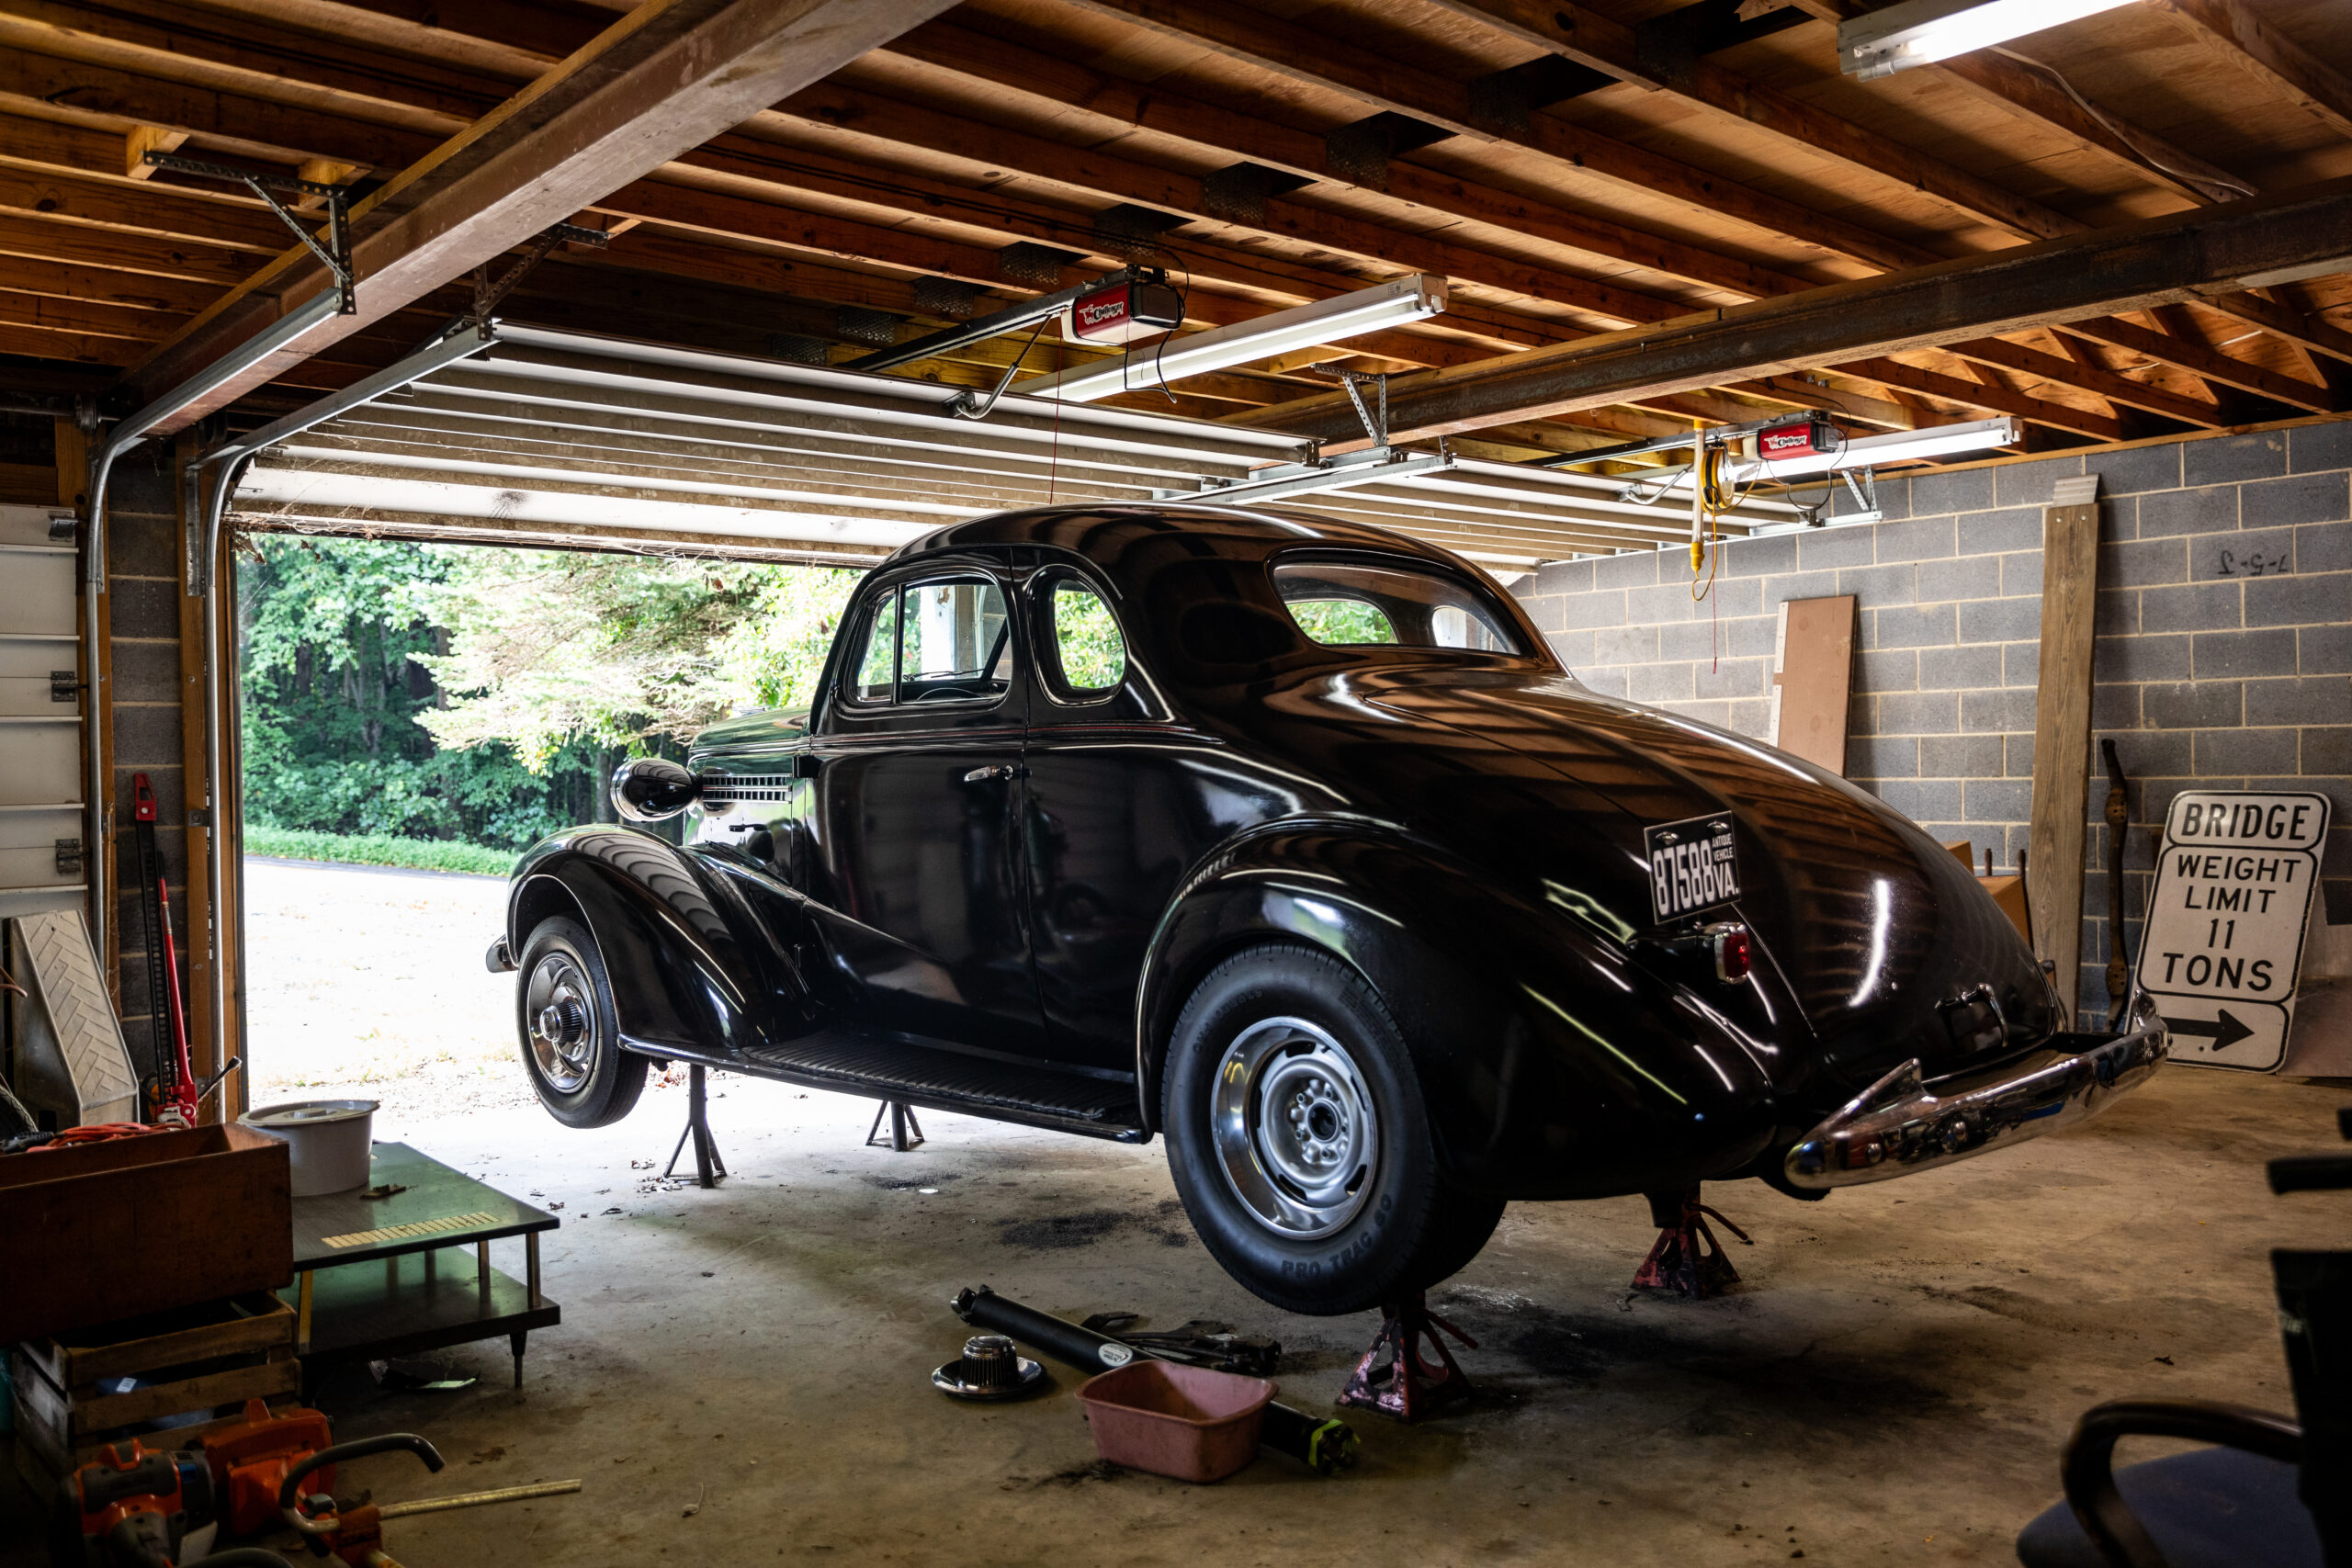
2224 657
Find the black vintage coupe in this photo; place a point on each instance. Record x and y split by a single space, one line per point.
1290 839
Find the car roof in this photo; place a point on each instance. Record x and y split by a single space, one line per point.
1100 533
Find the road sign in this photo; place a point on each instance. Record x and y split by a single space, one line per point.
2227 917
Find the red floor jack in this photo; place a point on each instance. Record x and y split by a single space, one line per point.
1687 1256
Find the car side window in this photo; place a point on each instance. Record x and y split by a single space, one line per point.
1342 623
877 676
1090 654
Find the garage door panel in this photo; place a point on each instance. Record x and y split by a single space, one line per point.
40 765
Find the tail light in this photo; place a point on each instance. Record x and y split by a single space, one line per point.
1732 951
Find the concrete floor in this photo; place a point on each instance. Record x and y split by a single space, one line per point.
741 1375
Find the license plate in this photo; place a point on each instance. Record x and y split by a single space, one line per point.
1693 865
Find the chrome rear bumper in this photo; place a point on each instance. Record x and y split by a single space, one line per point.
1901 1124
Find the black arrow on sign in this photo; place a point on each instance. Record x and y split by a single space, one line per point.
2224 1031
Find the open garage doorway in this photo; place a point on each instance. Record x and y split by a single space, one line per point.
412 717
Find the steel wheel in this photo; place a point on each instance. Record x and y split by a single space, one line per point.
1294 1128
562 1010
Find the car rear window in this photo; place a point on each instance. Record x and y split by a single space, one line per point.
1361 604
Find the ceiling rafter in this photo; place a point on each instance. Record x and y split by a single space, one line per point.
2232 30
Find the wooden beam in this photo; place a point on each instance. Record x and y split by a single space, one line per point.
142 139
2062 738
1598 41
2230 30
1990 396
2156 262
2088 375
668 76
2197 358
100 285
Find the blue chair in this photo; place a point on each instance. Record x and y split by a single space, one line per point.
2272 1492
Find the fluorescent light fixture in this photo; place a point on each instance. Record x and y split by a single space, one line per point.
1920 32
1335 320
1867 452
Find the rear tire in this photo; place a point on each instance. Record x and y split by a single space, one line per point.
571 1030
1299 1141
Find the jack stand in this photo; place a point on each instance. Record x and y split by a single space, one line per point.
906 1133
1687 1256
1410 1385
708 1168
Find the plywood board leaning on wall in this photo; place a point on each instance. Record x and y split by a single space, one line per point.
1812 679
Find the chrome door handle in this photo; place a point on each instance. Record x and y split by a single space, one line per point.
995 770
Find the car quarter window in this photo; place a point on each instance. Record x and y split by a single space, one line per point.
1358 603
948 640
1089 656
877 675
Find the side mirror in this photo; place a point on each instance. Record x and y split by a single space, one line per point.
648 789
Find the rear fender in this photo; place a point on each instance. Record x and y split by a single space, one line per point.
699 965
1551 1065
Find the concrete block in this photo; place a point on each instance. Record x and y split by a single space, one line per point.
1923 800
1661 682
1580 610
143 544
2029 484
1753 719
1977 664
1763 556
2222 656
2191 607
1732 677
1548 610
2186 704
2148 657
1670 602
2017 751
147 737
2021 663
2230 457
1716 714
2115 706
1999 620
1920 538
2299 601
2141 563
1753 636
1635 569
2324 547
1700 639
2146 754
2324 650
2249 553
1894 497
2300 700
1983 713
2114 613
2305 498
1917 626
1608 682
1564 577
2210 510
1571 649
2138 468
1997 532
1917 713
1626 644
1730 596
1798 585
144 606
1962 489
1887 670
1881 757
1836 548
145 671
2021 574
2326 750
1960 757
2311 448
2118 518
1876 587
1998 800
2219 753
1966 577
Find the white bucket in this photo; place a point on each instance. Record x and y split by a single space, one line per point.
327 1140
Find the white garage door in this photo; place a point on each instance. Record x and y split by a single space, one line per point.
41 823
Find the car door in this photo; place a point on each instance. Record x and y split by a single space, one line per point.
914 861
1121 799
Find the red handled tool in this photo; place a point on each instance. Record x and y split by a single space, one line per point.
172 1090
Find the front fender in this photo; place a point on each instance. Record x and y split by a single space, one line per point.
699 957
1553 1065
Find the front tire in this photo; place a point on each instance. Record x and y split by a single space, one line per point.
570 1032
1299 1141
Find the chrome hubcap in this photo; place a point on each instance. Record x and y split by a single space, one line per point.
564 1031
1294 1128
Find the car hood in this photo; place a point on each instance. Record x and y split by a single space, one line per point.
1880 938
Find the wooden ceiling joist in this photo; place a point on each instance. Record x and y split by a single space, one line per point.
2230 30
667 78
2129 268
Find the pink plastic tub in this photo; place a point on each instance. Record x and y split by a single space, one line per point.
1186 1422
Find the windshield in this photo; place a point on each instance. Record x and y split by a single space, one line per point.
1360 604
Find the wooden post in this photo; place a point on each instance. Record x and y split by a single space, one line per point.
2061 741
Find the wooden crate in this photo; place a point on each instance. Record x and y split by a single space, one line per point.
104 1231
203 1361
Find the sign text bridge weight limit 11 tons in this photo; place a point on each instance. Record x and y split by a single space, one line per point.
2226 919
